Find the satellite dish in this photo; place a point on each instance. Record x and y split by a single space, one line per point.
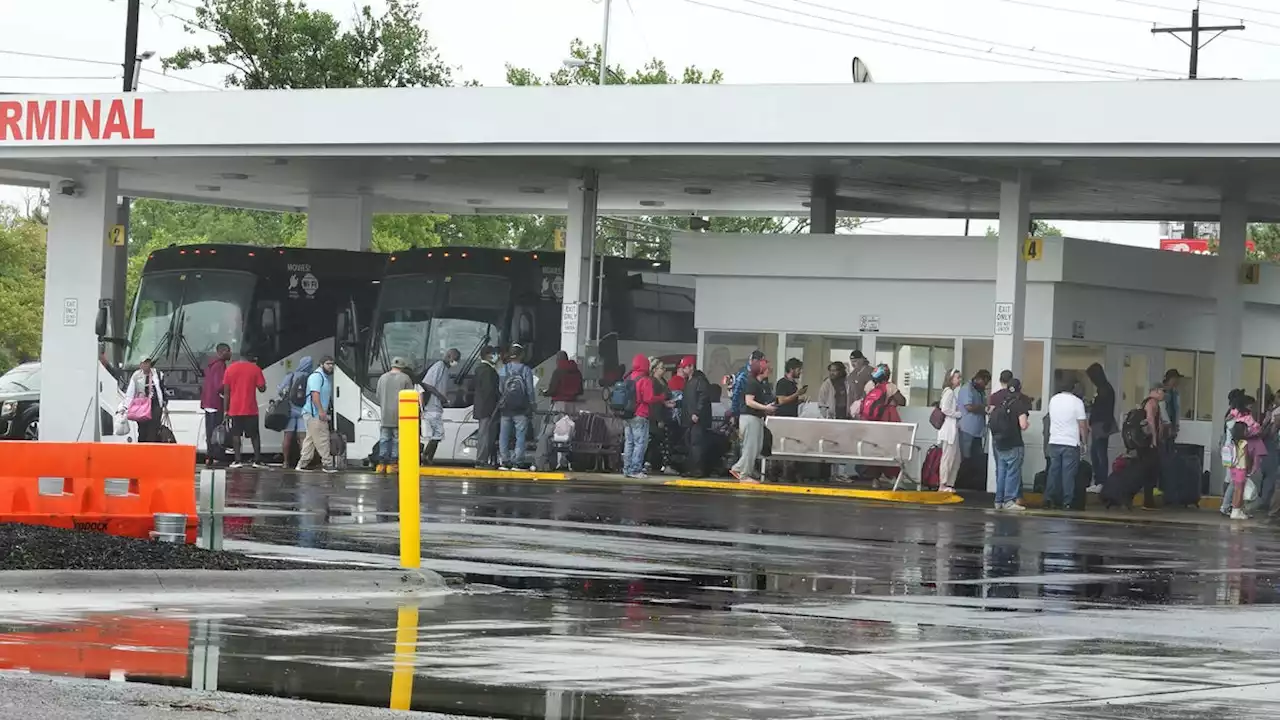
861 74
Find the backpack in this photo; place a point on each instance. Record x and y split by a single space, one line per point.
1002 421
513 398
622 399
1133 431
875 404
298 389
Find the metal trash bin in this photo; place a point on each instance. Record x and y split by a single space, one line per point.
170 527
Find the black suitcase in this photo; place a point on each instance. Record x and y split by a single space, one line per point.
1083 479
1121 486
973 473
1040 481
1179 480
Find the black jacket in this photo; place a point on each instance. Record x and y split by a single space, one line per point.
697 400
486 402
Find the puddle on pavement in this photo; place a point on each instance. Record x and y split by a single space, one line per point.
577 603
515 655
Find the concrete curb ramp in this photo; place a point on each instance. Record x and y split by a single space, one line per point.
174 582
902 496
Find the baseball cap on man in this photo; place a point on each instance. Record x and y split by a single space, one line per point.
399 363
688 361
857 355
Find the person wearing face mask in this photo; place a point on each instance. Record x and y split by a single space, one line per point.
436 389
485 408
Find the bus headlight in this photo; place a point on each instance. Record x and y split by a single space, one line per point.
8 409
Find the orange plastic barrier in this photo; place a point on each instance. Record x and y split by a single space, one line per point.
102 644
111 488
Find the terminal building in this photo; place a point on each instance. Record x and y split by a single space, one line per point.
868 150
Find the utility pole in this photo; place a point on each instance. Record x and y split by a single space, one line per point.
1189 229
604 45
132 66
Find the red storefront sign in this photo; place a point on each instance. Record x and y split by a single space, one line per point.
117 119
1197 246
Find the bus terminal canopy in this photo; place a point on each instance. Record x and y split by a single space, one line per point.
1109 150
1102 151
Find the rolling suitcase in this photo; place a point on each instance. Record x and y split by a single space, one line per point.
1179 480
1122 485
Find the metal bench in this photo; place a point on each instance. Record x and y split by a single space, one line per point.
856 442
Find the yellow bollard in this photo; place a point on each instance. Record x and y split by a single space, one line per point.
410 504
402 667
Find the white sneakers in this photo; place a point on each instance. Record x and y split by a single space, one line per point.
1239 514
1094 488
1010 505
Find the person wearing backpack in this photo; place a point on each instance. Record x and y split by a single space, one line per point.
516 402
1009 419
389 387
293 390
316 414
631 399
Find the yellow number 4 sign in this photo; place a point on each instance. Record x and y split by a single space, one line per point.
115 236
1033 248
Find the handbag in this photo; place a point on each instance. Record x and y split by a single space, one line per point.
936 418
139 409
121 424
277 418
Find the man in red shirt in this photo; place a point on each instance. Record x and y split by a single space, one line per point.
241 380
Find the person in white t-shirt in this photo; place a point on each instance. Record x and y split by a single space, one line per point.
1068 437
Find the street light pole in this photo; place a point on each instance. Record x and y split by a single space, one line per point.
604 44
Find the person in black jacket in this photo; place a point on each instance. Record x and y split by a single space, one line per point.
485 409
1102 425
695 415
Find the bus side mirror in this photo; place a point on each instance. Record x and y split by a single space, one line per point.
102 323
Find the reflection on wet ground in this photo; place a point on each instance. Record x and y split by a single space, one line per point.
584 601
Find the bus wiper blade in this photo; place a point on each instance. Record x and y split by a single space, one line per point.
475 355
186 347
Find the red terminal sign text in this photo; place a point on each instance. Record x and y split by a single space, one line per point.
73 120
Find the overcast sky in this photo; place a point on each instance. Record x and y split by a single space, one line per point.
752 41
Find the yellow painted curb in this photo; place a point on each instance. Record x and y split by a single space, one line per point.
1207 502
901 496
463 473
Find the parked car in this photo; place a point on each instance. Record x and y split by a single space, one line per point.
20 402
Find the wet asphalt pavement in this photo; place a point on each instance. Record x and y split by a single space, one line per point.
584 601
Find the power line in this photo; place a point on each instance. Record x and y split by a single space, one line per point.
1086 72
59 77
1167 8
152 87
1075 11
179 78
1241 7
43 56
982 41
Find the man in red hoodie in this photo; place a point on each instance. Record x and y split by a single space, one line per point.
637 428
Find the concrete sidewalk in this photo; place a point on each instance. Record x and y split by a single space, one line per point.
35 697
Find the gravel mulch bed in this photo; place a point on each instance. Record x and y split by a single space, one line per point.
35 547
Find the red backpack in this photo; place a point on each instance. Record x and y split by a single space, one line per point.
875 406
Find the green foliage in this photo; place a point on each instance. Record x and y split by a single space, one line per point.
1039 228
654 72
274 44
22 257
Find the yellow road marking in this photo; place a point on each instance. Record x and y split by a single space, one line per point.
903 496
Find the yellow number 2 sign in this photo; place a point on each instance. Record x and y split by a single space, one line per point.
1033 248
115 236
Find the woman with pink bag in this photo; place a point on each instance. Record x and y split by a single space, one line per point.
144 402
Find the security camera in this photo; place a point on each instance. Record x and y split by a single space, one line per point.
70 188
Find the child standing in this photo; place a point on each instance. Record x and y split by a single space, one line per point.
1235 458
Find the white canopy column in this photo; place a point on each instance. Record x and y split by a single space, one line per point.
579 241
822 206
77 277
1011 286
1229 319
339 221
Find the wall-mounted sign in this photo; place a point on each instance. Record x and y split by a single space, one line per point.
869 323
1077 329
1033 248
73 120
1004 318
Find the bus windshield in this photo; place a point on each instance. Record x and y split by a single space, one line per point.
420 317
179 318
